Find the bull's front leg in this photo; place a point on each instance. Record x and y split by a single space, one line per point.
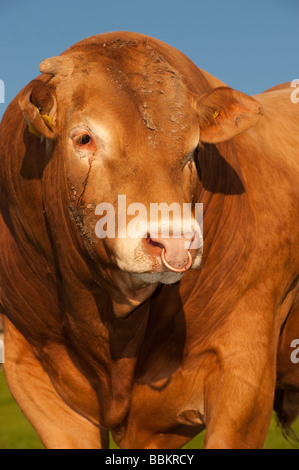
240 394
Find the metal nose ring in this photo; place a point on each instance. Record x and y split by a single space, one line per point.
176 270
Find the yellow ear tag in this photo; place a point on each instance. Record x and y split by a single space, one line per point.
216 113
47 120
32 130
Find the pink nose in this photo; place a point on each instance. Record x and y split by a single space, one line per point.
174 252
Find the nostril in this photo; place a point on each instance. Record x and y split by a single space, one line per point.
151 242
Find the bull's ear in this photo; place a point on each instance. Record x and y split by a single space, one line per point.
224 113
38 104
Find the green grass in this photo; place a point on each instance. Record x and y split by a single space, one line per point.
17 433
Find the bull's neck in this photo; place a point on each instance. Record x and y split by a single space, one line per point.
221 188
228 237
228 225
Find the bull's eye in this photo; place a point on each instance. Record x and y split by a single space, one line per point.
83 139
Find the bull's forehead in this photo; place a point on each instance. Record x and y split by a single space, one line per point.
134 95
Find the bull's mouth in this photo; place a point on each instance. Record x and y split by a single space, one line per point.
164 274
157 277
160 271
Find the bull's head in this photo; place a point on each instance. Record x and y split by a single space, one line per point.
127 133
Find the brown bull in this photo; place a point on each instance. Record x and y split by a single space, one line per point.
116 333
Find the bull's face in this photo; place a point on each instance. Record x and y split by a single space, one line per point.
132 179
129 140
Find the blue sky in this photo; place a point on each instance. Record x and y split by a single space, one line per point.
250 45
